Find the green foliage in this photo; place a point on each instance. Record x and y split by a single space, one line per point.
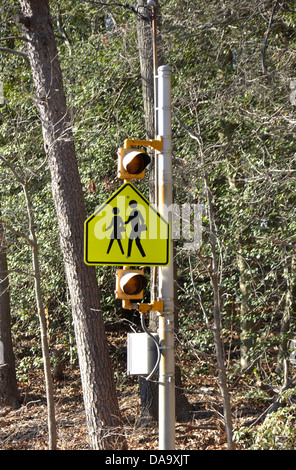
278 432
246 124
245 120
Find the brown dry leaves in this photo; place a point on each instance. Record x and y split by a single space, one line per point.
26 428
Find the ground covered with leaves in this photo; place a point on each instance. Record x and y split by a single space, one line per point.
26 427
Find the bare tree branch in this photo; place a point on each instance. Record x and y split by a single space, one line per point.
264 69
19 38
18 233
13 51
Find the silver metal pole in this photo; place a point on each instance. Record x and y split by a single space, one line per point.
166 274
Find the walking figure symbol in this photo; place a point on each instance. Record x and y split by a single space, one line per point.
117 225
138 226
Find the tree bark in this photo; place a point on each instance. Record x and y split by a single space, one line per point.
247 325
289 274
32 240
9 394
148 389
214 273
149 60
217 329
144 36
52 430
100 399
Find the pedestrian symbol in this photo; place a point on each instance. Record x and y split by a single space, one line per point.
126 230
137 223
117 226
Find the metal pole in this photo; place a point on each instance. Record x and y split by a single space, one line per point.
166 274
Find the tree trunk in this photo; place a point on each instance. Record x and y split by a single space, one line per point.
289 274
247 325
148 389
145 46
149 59
217 330
100 399
214 273
9 394
217 327
52 431
221 363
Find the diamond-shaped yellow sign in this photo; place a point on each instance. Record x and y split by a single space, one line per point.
126 230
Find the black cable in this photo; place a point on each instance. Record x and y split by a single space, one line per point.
157 346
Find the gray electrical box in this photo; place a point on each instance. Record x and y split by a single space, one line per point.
141 353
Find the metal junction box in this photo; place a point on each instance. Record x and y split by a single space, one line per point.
141 353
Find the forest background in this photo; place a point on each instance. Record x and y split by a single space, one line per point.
233 98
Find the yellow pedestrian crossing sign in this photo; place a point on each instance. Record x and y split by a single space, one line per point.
126 230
